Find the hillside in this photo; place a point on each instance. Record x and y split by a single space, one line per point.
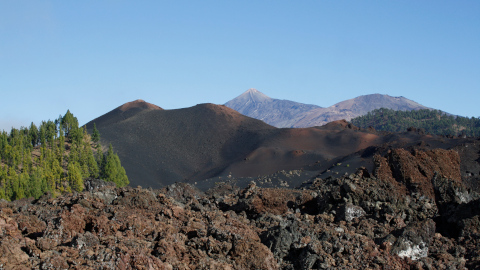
355 107
159 147
430 121
404 216
335 196
54 158
275 112
209 143
285 113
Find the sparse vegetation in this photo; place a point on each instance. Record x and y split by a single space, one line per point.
431 121
56 157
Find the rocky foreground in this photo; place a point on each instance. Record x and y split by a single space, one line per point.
412 212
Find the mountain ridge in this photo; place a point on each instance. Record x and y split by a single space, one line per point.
167 146
351 108
275 112
286 113
208 141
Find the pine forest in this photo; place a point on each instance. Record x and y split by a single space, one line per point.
54 158
431 121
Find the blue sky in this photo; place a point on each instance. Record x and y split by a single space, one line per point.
92 56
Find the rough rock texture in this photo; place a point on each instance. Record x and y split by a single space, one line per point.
357 221
416 169
206 144
140 229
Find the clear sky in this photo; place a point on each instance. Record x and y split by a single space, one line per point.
92 56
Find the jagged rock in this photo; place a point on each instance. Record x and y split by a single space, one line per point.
451 192
416 169
257 201
415 240
91 184
354 221
280 238
348 212
11 253
86 239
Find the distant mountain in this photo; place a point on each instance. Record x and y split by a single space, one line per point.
159 147
355 107
285 113
208 143
275 112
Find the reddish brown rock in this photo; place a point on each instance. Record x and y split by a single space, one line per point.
415 170
11 253
355 221
258 201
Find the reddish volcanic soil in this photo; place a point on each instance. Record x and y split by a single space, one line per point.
413 205
138 104
160 147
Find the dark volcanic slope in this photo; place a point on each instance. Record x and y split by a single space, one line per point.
123 112
159 147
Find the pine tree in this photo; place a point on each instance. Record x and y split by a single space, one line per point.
42 133
61 146
91 163
121 178
50 128
76 135
35 184
22 187
2 193
113 170
3 183
3 144
57 172
11 186
75 177
95 134
99 158
69 123
34 161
